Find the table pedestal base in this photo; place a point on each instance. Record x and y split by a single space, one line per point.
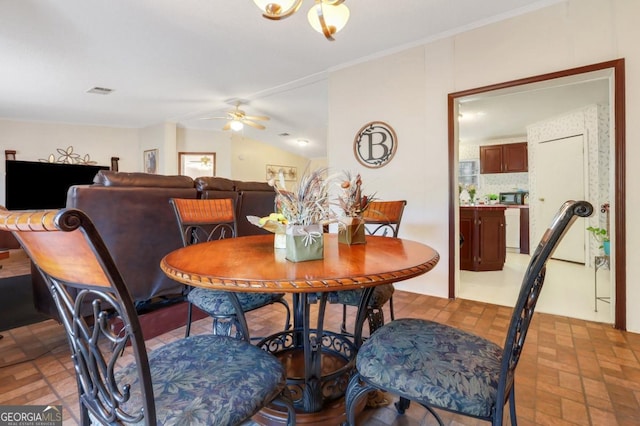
318 368
332 414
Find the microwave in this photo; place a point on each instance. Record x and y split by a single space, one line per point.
513 197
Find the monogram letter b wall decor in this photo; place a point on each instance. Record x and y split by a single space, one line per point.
375 144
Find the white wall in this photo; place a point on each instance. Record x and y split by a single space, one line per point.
190 140
392 90
250 157
152 138
33 141
409 91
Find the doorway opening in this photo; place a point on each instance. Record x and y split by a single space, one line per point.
613 71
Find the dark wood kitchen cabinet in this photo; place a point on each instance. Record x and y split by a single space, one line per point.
483 229
505 158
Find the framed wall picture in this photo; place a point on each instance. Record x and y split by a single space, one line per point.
289 173
197 164
150 158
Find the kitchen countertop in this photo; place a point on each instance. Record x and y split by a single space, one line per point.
498 206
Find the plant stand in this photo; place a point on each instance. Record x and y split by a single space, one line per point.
600 262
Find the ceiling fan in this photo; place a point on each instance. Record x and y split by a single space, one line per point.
237 118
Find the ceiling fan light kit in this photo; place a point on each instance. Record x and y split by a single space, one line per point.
326 16
237 118
236 125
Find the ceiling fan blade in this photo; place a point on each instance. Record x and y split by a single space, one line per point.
212 118
227 126
257 117
252 124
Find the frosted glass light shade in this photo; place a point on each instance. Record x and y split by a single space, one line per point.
276 9
236 125
335 17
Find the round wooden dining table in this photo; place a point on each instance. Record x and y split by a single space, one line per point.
318 361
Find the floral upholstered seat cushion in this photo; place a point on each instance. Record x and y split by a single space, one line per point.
218 302
209 380
433 363
381 295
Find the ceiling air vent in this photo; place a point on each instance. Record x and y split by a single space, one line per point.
100 90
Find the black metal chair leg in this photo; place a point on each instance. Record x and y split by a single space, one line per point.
189 314
284 399
287 324
435 415
402 405
355 392
343 326
512 407
375 316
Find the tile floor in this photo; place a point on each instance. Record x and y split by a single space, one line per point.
568 288
572 371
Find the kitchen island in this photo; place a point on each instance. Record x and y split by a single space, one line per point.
483 229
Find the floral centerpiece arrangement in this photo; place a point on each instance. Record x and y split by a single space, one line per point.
352 203
306 210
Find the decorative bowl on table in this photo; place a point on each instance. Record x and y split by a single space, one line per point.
275 223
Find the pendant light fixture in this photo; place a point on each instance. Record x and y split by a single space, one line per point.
326 16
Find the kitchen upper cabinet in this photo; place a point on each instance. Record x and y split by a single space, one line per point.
506 158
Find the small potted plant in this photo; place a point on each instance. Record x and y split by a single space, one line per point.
493 198
471 190
601 235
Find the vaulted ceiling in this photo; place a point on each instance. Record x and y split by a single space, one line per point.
178 61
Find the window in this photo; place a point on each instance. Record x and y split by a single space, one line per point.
468 172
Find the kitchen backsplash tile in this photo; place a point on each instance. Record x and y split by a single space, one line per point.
504 182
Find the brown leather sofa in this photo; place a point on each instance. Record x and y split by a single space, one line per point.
132 213
252 198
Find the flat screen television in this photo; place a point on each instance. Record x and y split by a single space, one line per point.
32 185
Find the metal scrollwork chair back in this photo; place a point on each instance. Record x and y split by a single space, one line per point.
202 220
208 378
443 367
381 218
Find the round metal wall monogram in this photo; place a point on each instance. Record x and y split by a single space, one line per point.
375 144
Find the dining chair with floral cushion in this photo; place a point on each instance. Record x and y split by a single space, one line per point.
201 220
443 367
204 379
